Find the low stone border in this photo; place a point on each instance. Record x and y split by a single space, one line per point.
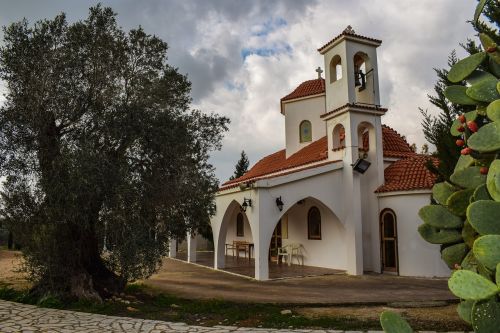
16 317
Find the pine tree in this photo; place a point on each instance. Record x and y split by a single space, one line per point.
241 166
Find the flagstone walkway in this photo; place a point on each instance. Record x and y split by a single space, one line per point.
15 317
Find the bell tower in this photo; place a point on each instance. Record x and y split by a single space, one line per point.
351 70
354 131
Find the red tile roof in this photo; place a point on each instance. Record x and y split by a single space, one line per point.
314 152
408 174
393 144
349 33
307 88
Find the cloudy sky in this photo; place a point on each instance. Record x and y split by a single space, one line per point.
242 56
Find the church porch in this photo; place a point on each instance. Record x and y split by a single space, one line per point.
246 267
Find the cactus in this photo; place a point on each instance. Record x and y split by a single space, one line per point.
439 236
439 217
464 310
466 67
466 218
486 316
487 251
442 191
484 91
470 177
471 286
484 216
453 255
469 234
487 139
458 95
393 323
481 193
459 201
493 180
493 110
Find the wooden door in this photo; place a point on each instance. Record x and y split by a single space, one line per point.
389 241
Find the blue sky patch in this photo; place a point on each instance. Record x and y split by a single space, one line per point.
266 51
269 26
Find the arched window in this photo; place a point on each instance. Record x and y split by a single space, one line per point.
389 240
335 69
338 137
360 70
240 227
305 129
314 223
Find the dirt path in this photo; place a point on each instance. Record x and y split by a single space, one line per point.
10 263
191 281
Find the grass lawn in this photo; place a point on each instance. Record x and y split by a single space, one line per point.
140 301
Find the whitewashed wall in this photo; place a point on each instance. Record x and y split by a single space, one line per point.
295 112
416 256
328 252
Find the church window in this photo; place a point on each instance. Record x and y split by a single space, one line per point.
335 69
240 227
314 223
305 129
338 137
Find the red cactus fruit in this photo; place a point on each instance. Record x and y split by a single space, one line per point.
461 129
484 170
460 142
465 151
472 126
462 119
491 49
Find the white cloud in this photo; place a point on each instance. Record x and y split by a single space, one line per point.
207 38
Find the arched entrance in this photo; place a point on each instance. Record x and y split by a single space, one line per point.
316 234
389 241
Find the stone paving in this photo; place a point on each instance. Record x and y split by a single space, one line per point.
15 317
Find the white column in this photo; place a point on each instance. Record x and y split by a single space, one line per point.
261 257
172 248
352 194
191 247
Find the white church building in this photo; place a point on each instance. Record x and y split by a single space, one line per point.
346 189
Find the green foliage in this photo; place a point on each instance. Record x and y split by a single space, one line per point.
439 217
241 166
439 236
470 177
493 110
487 251
484 216
458 95
471 286
464 310
493 180
454 254
393 323
476 177
465 67
484 90
98 143
442 191
457 202
486 316
487 139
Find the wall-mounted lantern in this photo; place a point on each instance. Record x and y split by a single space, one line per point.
279 203
246 203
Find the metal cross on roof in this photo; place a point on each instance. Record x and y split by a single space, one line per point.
319 71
